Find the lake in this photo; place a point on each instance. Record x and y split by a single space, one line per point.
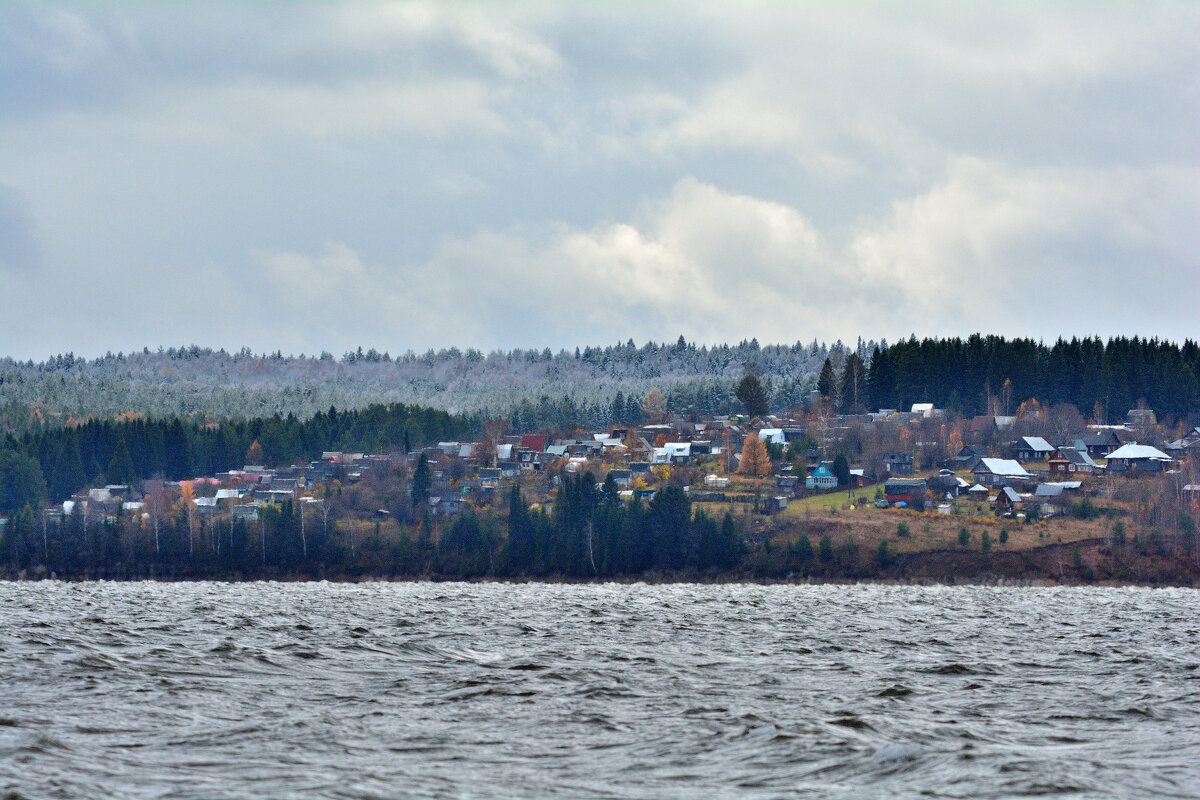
385 690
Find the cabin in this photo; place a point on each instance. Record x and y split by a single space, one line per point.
967 458
1099 443
1009 500
946 483
1033 448
999 472
898 463
911 491
1054 498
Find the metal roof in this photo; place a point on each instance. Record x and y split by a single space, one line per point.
1135 451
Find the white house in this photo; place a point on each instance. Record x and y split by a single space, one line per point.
772 435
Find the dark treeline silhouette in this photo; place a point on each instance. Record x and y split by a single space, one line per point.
965 374
67 459
588 532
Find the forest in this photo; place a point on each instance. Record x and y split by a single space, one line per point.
534 389
594 387
991 374
55 462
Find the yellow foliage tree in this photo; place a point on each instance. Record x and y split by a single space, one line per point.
755 459
654 407
954 445
254 455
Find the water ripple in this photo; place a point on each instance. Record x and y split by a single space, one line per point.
603 691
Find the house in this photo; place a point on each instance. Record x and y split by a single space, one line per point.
621 477
983 426
999 472
945 483
445 505
637 468
967 458
1137 417
1069 461
245 513
1137 458
489 477
821 478
978 492
787 483
1099 443
924 410
678 452
1009 500
898 463
1189 443
534 442
910 491
772 435
1033 448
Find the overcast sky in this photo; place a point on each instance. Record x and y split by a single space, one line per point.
311 177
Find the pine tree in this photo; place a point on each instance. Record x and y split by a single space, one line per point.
421 483
120 469
826 382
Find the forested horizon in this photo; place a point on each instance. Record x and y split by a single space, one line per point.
597 386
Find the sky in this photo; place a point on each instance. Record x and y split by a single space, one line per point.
321 176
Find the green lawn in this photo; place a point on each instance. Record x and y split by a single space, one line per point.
865 495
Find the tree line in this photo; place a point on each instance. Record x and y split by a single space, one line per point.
54 463
991 374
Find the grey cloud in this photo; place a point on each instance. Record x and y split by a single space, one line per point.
526 174
18 239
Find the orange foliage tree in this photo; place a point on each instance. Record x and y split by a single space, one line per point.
755 459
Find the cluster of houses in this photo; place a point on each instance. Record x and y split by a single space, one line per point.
1034 474
1024 472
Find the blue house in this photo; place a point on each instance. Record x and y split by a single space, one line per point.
821 478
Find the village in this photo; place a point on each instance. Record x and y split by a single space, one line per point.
923 459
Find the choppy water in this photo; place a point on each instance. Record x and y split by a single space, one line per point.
455 690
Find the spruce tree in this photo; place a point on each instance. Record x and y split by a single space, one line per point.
753 395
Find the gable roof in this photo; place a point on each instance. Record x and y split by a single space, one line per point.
1002 466
1138 451
1011 494
1037 444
